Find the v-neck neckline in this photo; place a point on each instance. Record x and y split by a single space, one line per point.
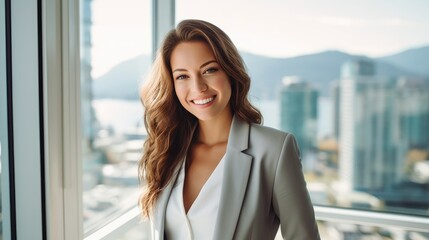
207 184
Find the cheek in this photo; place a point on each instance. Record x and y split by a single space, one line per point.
227 88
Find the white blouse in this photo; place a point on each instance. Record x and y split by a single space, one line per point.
200 221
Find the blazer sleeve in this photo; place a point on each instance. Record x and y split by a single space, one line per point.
291 201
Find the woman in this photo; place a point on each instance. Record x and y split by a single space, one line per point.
211 170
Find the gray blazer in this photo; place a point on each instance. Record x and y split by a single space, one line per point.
263 186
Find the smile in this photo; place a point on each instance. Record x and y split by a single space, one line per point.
203 101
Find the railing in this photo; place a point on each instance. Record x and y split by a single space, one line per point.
130 219
372 218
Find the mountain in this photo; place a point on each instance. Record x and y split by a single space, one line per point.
320 69
123 80
413 60
267 73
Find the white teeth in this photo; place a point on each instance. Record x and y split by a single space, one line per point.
203 101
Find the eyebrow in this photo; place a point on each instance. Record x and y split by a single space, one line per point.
203 65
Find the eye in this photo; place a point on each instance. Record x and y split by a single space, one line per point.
211 70
181 77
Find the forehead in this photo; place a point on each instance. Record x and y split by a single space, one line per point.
191 54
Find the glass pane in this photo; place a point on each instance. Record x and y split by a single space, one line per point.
115 55
350 81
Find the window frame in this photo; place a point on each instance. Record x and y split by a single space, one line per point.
62 116
4 133
63 158
22 125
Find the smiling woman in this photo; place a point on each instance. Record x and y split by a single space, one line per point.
201 86
207 160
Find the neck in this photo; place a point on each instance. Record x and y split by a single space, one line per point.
213 132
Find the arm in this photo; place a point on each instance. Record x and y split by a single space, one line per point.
291 201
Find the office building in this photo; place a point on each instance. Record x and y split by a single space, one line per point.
298 113
368 137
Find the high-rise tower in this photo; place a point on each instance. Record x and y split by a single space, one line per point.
299 112
368 133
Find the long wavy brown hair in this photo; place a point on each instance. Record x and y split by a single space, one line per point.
169 126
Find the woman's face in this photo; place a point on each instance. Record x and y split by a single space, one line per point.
201 85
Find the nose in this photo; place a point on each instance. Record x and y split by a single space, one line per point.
199 84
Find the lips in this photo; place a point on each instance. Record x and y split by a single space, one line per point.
202 101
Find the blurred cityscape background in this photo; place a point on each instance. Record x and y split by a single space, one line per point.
362 124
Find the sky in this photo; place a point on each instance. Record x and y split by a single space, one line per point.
276 28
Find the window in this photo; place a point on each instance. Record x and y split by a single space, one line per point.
102 176
347 81
115 55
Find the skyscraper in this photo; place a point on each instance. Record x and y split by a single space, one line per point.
413 125
91 155
368 133
88 116
382 120
298 111
413 112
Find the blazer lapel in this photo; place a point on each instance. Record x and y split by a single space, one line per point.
160 208
235 178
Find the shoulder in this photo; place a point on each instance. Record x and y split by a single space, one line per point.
271 141
268 134
257 138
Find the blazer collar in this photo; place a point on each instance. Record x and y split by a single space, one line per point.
161 207
236 175
238 135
